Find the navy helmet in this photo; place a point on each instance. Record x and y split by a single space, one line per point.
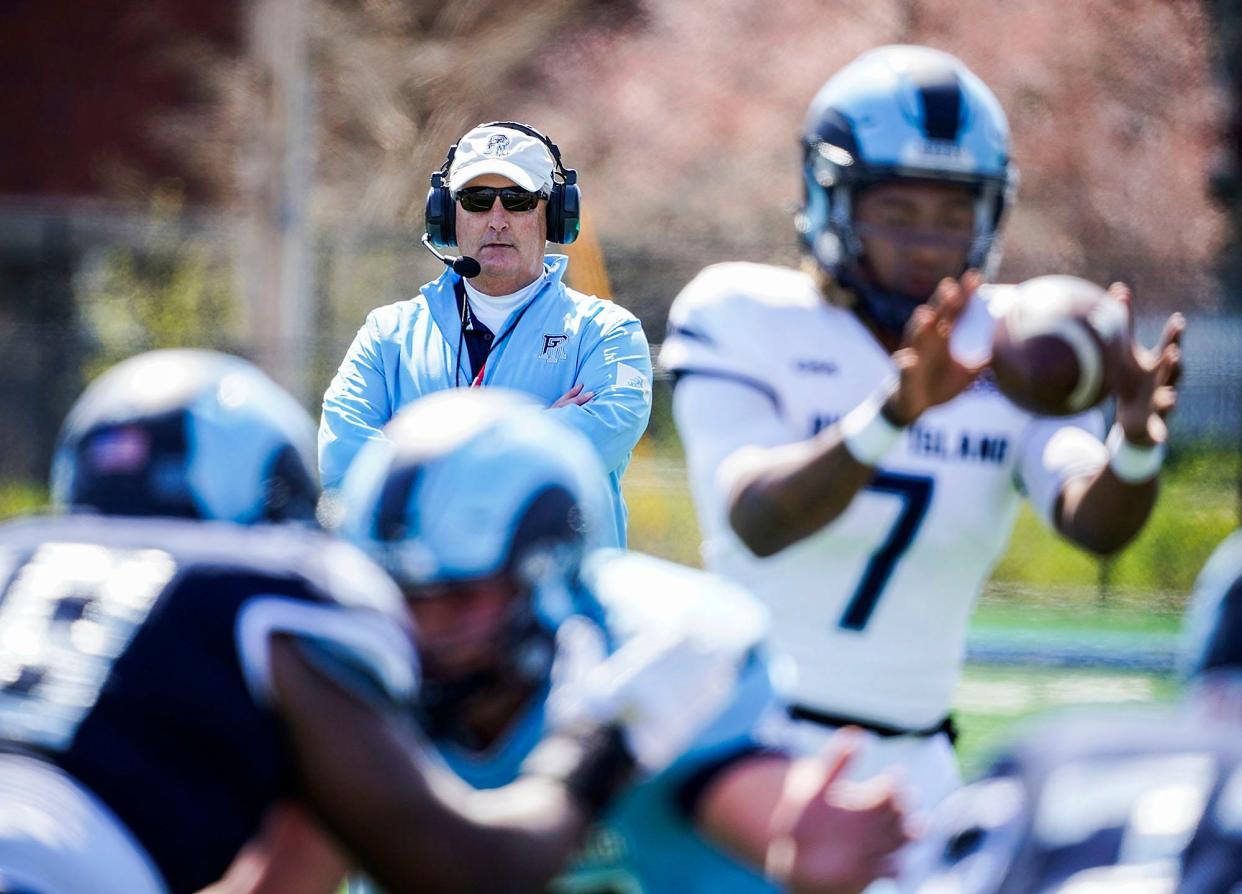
189 434
900 113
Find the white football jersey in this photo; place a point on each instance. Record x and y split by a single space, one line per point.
874 607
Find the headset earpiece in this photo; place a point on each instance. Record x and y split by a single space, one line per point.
564 212
439 214
564 206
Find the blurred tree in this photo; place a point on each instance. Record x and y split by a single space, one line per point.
1226 17
683 120
1110 104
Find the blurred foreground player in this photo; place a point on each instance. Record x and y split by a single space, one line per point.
522 602
848 467
173 667
1128 801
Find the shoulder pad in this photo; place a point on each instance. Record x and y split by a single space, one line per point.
639 593
720 323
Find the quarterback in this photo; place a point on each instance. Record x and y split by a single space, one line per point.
851 460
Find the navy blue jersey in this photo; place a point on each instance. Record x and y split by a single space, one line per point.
1152 795
133 654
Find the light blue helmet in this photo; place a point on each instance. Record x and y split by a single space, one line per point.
900 113
1211 641
187 433
470 483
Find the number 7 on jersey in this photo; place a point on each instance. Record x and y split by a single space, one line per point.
915 492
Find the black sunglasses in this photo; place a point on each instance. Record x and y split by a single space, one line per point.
480 198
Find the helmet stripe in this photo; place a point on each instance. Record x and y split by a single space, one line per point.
940 94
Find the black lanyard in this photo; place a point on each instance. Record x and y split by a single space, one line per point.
464 314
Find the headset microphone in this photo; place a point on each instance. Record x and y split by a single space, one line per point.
463 266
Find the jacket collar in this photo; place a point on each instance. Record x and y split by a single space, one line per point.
442 301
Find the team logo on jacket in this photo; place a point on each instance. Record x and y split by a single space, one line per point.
553 347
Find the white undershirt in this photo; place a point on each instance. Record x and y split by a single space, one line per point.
493 310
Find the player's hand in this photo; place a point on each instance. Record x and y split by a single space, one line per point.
830 836
662 689
574 395
928 373
1145 381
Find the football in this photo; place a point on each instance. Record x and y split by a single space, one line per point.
1050 344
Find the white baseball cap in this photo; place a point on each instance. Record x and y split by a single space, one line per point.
498 150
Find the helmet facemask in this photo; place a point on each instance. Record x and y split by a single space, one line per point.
900 114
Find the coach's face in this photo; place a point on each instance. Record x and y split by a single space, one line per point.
507 244
914 234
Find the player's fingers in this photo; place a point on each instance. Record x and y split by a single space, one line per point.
1121 293
1169 366
952 310
1174 326
836 757
946 291
1164 400
1128 345
920 325
1128 356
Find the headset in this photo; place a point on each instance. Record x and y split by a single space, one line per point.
564 208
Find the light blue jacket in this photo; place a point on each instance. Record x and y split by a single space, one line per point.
561 338
648 842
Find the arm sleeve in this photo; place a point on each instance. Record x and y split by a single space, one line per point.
363 651
726 427
711 334
726 409
1053 451
618 370
355 406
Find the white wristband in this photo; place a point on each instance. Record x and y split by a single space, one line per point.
1131 463
868 436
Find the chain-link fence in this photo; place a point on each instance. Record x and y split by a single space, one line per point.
86 290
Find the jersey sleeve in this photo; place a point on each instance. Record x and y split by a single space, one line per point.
725 428
726 407
1052 451
365 652
715 332
360 636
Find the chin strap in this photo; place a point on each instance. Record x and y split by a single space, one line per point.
888 310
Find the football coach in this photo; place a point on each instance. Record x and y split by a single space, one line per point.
499 315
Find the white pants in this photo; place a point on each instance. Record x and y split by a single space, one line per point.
924 767
58 838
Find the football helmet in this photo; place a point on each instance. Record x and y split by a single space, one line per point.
191 434
1212 632
467 484
900 113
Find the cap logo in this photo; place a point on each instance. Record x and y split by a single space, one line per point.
497 145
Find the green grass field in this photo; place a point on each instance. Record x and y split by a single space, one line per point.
1042 587
991 700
